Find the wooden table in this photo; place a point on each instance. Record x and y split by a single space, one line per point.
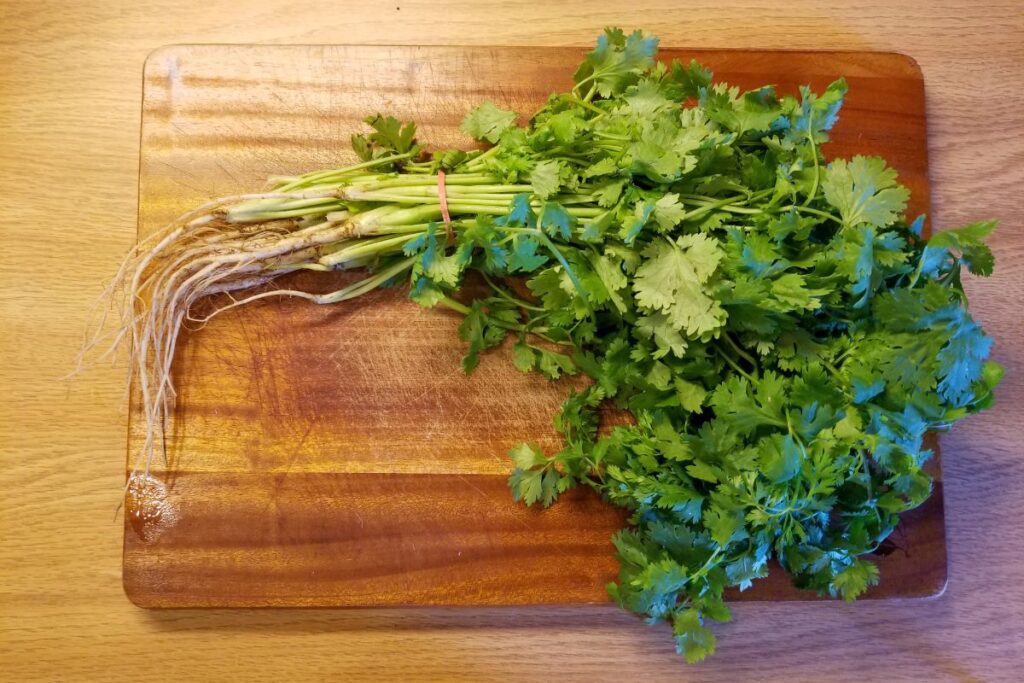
70 83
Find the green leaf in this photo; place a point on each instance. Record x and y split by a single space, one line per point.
781 458
856 261
864 190
693 640
961 359
968 241
791 290
389 132
757 110
816 114
725 524
659 328
705 472
555 220
646 99
544 178
361 146
526 456
553 364
616 61
427 296
566 126
523 357
668 212
602 167
684 82
446 269
527 485
525 257
488 122
776 334
641 214
609 269
478 328
851 582
691 395
672 279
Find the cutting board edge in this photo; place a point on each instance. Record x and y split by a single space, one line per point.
910 65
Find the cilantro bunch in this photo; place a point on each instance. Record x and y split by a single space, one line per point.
782 336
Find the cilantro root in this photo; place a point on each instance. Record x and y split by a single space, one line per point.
780 332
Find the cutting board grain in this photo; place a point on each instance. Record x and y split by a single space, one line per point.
337 456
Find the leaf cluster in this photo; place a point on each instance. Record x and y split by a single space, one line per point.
782 336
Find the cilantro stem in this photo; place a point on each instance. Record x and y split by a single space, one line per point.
546 338
707 566
303 179
509 297
807 209
723 203
841 357
867 473
742 354
735 366
367 284
796 437
557 253
257 216
585 103
361 249
462 308
476 161
432 211
832 369
612 136
817 165
428 180
731 204
456 306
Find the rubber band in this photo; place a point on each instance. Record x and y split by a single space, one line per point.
443 199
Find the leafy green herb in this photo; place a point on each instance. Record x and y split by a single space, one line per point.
781 334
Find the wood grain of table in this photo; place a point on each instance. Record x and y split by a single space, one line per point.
70 87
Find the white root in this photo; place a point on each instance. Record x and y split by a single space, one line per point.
197 255
226 245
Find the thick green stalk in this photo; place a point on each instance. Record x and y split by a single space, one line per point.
368 284
364 248
305 178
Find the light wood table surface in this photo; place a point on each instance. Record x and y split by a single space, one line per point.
70 87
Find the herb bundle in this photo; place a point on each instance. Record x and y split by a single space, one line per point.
781 334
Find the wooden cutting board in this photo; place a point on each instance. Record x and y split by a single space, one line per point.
336 455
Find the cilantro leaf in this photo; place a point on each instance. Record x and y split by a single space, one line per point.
754 111
616 61
852 581
687 81
974 254
672 280
390 133
693 640
545 178
668 212
487 122
864 190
